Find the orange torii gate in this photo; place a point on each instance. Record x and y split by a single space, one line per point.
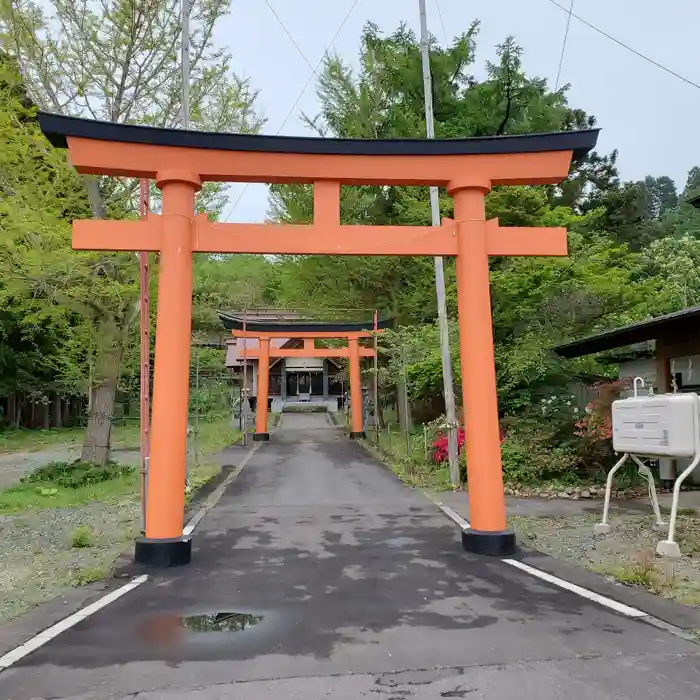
180 161
264 352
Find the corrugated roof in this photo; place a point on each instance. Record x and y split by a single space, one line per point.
297 325
678 322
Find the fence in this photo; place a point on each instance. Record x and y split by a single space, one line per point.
410 454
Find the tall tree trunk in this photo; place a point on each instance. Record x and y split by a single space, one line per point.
45 415
65 408
380 414
20 412
12 410
102 394
56 411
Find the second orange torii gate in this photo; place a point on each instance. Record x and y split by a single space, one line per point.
264 352
180 161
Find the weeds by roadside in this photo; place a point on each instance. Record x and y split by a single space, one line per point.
65 524
626 555
408 459
81 537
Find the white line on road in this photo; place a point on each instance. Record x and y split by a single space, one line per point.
217 493
12 657
578 590
549 578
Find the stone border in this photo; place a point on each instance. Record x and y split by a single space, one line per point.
579 493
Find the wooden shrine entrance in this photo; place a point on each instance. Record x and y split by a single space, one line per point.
180 161
351 333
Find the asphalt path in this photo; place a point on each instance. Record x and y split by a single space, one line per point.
339 582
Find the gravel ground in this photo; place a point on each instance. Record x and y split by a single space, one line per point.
627 554
15 465
564 530
38 561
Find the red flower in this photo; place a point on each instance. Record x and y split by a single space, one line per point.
440 445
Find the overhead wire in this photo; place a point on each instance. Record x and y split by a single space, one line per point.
563 45
442 23
670 71
289 34
314 73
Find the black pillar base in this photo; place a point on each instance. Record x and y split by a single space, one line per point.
261 437
494 544
358 436
163 553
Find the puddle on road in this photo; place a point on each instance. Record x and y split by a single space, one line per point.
167 631
221 622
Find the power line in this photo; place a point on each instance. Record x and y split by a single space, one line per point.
563 46
442 23
288 33
626 46
301 94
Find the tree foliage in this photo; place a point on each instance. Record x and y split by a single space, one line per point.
632 245
114 60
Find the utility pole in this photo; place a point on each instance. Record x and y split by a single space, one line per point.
448 387
185 60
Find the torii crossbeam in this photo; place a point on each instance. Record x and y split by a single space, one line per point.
179 161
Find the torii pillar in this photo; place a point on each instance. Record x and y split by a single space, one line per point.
261 433
163 543
179 161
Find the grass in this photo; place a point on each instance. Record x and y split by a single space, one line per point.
81 537
67 537
90 574
408 461
642 571
213 436
627 555
33 496
33 440
124 434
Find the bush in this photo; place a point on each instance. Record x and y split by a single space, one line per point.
81 537
528 460
74 475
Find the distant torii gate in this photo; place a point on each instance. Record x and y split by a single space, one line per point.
180 161
264 352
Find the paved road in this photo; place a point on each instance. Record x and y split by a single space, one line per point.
364 593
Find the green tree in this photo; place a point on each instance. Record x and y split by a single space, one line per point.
42 348
384 99
117 60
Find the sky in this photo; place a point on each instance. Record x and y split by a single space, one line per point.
645 113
